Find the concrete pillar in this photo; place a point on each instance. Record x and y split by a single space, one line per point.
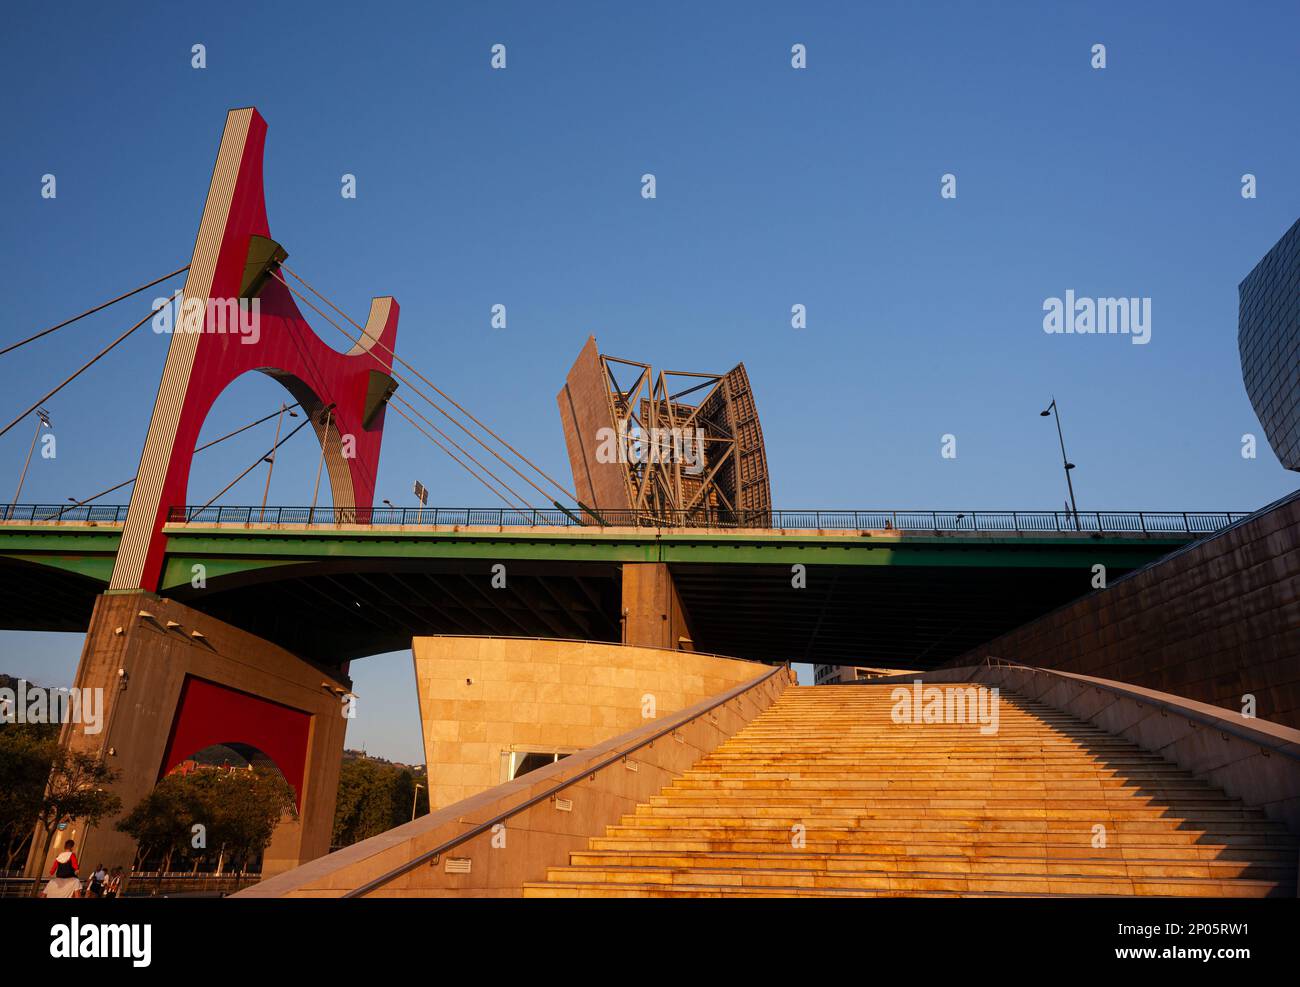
653 615
147 654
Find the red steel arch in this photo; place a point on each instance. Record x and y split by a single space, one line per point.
200 365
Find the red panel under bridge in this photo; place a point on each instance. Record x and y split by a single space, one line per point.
209 714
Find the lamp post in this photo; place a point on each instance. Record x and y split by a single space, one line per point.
326 420
415 799
42 421
1050 410
271 458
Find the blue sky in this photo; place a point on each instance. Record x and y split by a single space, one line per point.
775 187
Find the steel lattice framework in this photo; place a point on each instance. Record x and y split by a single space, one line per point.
639 449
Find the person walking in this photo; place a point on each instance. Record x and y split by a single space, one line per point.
97 881
63 881
113 889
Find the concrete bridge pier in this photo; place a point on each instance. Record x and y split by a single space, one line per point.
175 681
653 615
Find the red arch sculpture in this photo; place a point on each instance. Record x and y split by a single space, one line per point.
233 256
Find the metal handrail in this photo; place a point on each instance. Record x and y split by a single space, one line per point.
432 855
1138 523
1012 521
1119 689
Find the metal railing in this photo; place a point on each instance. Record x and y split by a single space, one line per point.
1009 522
45 513
1016 522
144 884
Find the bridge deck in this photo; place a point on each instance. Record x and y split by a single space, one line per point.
336 591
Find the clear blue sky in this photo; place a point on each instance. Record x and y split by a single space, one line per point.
775 187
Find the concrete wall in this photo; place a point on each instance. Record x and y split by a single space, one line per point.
542 835
157 653
1212 623
482 696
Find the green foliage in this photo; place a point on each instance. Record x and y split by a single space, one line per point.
26 753
236 812
374 796
77 788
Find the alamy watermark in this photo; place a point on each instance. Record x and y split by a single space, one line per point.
953 704
652 445
223 316
37 704
1098 316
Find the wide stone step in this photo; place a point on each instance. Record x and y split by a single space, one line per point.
1121 867
992 845
1097 812
921 824
1074 884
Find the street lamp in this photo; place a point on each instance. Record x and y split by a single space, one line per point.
415 799
1050 410
326 420
42 421
271 458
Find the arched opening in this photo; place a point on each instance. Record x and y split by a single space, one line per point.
206 824
295 455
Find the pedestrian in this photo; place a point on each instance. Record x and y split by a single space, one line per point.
63 881
97 881
113 889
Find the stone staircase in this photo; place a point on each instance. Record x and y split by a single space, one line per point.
824 795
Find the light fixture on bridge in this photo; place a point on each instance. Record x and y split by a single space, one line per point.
1048 412
43 421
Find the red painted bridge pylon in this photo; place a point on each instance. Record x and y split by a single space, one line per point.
233 258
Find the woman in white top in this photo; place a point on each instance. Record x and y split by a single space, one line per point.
63 881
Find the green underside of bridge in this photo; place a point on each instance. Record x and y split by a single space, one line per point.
336 594
225 552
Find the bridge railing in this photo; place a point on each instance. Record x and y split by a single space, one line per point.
44 513
1011 522
1014 522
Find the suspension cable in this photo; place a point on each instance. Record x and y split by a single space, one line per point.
260 459
501 482
516 506
92 311
206 445
231 435
465 411
420 394
84 367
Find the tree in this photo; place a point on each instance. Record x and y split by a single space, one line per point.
245 807
75 790
189 817
160 822
374 796
26 752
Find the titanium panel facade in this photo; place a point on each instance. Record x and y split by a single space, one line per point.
1268 335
